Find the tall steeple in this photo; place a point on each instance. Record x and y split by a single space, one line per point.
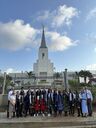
43 42
43 68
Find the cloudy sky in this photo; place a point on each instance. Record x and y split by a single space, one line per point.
70 29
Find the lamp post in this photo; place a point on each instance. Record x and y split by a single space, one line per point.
66 80
54 77
77 78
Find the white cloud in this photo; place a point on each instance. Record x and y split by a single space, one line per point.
59 42
11 70
63 15
94 49
91 67
91 38
28 49
91 14
45 15
16 35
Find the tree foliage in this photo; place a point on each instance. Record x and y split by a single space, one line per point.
30 74
1 80
8 81
56 75
85 74
73 84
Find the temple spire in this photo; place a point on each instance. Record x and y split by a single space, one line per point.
43 42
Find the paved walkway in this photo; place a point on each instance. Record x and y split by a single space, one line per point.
46 122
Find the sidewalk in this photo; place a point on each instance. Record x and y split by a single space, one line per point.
46 122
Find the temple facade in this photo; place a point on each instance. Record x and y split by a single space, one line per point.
43 68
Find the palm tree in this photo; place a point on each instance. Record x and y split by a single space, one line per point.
85 74
31 75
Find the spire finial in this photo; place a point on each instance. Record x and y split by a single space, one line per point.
43 43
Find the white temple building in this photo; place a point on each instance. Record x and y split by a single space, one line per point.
43 68
43 72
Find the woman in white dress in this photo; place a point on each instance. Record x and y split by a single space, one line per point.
12 100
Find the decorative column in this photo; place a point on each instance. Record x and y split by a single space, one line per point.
66 80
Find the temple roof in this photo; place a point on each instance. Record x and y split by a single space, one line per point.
43 42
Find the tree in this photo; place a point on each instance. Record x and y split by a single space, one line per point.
1 83
1 80
73 84
31 75
56 75
85 74
77 77
8 82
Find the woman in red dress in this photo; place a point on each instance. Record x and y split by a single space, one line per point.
43 105
37 104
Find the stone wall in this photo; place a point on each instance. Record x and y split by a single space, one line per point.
3 100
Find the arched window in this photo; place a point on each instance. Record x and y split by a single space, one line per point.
43 55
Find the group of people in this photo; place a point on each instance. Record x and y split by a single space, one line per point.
49 102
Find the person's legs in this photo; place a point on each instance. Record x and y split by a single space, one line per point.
89 104
66 113
10 110
70 108
21 110
55 111
60 112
